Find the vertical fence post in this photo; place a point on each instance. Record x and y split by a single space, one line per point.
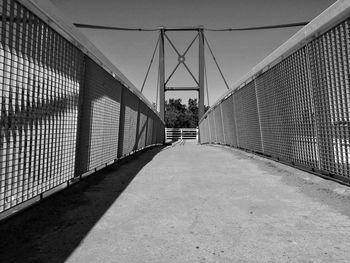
215 135
235 118
222 123
209 129
137 126
259 117
121 124
146 132
313 116
181 133
77 169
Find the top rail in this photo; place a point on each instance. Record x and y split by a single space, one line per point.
51 15
319 25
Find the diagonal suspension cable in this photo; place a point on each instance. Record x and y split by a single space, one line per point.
150 64
217 65
158 84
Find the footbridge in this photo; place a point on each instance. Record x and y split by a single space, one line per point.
86 174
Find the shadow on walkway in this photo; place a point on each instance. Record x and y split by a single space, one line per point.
51 230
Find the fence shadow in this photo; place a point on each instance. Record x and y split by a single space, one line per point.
51 230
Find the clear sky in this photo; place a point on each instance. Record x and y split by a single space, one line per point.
236 52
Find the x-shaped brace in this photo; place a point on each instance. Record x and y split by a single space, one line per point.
181 59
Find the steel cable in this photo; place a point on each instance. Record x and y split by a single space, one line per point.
216 63
230 29
150 64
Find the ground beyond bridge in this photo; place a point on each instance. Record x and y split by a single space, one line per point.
187 203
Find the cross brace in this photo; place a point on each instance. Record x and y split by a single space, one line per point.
181 60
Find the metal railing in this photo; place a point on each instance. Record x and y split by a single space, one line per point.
175 134
295 105
65 109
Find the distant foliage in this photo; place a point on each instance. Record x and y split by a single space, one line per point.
178 115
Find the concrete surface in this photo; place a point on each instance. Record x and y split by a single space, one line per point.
192 203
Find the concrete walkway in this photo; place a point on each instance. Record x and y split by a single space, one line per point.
187 203
213 204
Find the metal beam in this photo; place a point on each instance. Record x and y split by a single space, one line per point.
181 88
201 75
181 59
182 28
161 76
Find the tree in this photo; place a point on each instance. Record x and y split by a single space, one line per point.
178 115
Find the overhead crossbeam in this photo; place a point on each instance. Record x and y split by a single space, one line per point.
181 88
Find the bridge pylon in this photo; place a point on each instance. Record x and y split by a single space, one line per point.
199 80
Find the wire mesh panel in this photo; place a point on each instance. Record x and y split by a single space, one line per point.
142 126
298 109
202 134
247 119
207 132
266 90
212 127
149 127
131 105
47 116
286 111
204 131
160 132
155 131
297 133
218 125
99 118
206 127
228 119
329 62
40 81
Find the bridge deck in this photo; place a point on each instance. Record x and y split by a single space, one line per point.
192 203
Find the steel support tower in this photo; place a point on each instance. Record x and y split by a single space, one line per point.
181 60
